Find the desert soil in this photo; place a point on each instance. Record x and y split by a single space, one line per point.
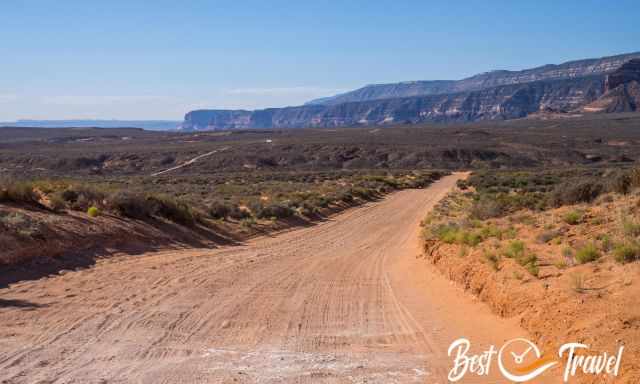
349 300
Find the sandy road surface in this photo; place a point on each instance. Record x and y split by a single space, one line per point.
345 301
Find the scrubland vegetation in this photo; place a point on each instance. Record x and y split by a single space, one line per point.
236 204
563 208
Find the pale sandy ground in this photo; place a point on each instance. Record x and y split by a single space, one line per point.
344 301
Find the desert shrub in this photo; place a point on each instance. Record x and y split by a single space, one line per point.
21 224
576 192
515 249
168 159
587 253
605 242
447 233
345 197
81 197
69 195
307 209
130 204
20 192
56 202
238 214
626 252
630 227
278 211
219 210
620 182
546 236
248 222
363 193
492 259
490 205
93 212
532 268
486 208
491 230
469 238
172 209
573 217
462 184
634 178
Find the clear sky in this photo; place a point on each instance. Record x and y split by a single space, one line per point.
63 59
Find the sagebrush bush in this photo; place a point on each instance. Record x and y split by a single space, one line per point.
219 210
515 249
487 207
278 211
627 252
546 236
573 217
172 209
620 183
584 191
587 254
630 227
130 204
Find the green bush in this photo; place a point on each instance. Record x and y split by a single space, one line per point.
533 268
515 249
81 197
487 207
576 192
93 212
279 211
573 217
447 233
130 205
627 252
587 254
630 227
172 209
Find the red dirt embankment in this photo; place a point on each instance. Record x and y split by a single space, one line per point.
596 303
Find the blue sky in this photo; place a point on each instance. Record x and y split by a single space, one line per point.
159 59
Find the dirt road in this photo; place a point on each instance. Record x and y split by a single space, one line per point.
189 162
345 301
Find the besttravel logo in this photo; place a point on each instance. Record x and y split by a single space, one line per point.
520 360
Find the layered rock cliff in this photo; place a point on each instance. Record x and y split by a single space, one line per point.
596 85
622 90
571 69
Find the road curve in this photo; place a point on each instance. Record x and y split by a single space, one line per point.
344 301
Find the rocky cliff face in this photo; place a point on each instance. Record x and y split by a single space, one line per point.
598 85
569 70
622 90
